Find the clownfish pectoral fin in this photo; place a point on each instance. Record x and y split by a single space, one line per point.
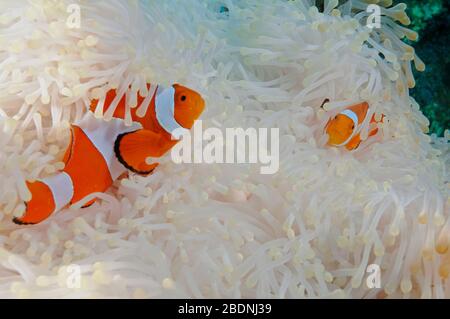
133 148
39 207
149 171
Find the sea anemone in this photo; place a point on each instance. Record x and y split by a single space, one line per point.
224 230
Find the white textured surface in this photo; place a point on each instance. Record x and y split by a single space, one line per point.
198 230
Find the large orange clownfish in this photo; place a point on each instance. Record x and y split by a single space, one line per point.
100 151
344 129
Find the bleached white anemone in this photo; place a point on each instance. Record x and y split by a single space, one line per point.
215 230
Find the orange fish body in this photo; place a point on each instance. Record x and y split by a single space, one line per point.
344 128
100 151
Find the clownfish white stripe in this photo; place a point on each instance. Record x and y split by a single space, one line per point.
165 114
61 187
104 136
352 115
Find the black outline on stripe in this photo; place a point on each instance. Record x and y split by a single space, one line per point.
121 159
16 220
71 145
89 205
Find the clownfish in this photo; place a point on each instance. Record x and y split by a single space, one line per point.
344 129
100 151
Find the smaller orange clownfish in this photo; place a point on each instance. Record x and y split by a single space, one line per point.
344 129
101 151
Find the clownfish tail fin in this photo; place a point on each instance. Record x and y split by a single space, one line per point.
39 207
377 119
47 196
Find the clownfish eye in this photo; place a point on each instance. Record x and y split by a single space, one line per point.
183 98
335 117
